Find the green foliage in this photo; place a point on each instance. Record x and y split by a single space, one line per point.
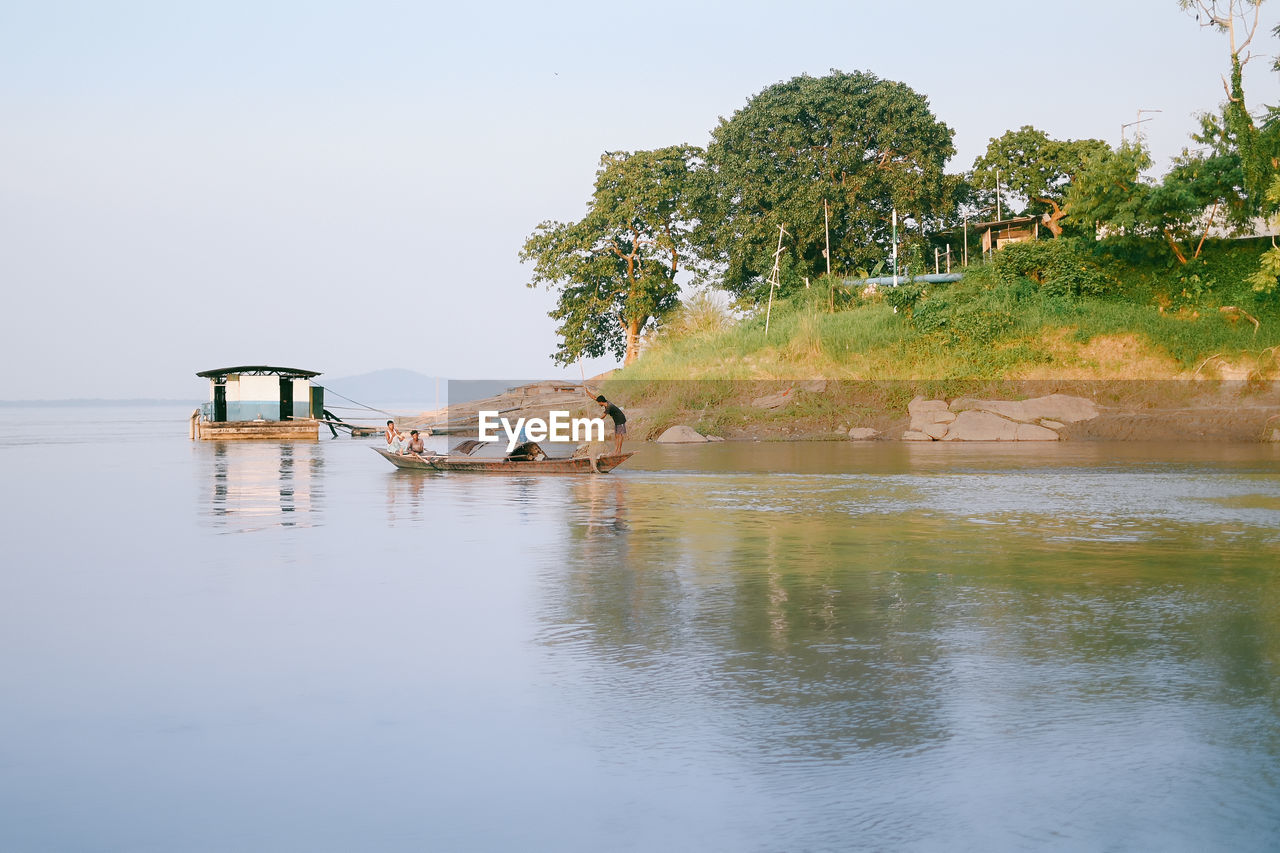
615 269
1034 170
861 144
1059 267
1267 276
1110 191
904 297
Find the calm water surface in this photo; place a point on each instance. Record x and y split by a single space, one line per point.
278 647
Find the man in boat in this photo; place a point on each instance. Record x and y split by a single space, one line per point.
619 422
396 442
416 444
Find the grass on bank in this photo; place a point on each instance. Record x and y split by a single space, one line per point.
999 322
1051 311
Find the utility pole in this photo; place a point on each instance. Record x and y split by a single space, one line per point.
895 247
826 225
1137 134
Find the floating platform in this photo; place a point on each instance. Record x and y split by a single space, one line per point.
298 429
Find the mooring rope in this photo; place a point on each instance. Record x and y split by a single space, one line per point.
357 402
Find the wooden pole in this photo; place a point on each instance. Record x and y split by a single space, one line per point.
773 282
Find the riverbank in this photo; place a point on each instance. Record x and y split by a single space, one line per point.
821 410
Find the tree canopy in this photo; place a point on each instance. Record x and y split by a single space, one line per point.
615 268
857 143
1035 170
1111 192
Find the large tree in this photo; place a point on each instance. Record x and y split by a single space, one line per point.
812 153
1111 194
1035 170
616 267
1238 20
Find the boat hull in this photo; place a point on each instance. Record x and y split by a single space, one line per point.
577 465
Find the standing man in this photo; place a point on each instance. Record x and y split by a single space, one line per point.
619 422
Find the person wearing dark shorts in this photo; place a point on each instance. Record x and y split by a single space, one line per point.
619 422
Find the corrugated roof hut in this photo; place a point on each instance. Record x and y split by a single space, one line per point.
259 401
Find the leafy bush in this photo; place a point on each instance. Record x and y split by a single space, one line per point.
1061 267
905 296
1267 276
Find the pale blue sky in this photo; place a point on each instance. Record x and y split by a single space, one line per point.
344 186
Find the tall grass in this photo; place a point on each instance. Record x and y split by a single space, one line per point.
993 324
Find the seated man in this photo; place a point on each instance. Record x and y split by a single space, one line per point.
396 442
415 444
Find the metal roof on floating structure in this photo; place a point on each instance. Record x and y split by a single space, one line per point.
259 370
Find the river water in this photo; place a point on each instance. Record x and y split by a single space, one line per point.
739 647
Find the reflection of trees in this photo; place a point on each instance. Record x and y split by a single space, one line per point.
822 628
783 616
258 484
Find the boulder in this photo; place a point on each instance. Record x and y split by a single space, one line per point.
681 435
1057 407
1033 432
978 425
773 401
919 405
715 438
1011 410
1061 407
973 425
935 431
926 413
863 434
913 435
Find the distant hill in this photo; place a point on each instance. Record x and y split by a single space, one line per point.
99 401
392 385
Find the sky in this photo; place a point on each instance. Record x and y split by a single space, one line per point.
345 187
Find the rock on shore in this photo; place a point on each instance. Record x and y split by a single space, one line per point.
681 434
967 419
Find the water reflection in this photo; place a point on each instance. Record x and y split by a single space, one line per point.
257 485
841 625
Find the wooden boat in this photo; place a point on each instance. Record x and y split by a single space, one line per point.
575 465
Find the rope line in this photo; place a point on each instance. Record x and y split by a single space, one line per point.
349 400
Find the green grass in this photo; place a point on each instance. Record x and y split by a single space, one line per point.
993 325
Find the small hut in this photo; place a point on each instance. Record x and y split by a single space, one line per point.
1001 232
259 401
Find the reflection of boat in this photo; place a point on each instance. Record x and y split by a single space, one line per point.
577 465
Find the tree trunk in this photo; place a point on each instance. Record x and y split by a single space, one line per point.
1051 219
632 328
1173 244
